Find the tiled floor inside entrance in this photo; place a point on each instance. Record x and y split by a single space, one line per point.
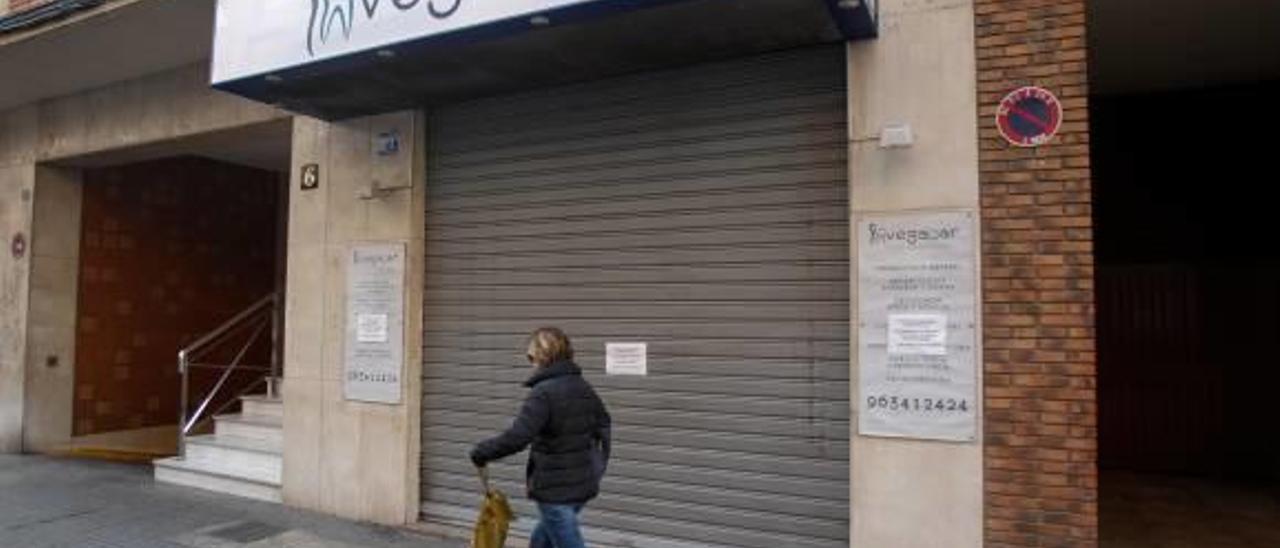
1140 511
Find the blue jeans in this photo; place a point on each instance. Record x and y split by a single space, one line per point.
558 527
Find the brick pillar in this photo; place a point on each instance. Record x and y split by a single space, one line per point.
1040 362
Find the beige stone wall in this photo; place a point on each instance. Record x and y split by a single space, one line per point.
145 111
51 320
357 460
15 218
151 109
17 177
920 71
18 135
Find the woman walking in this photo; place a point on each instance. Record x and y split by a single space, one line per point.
568 427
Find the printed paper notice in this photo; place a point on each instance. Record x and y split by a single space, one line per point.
917 334
371 328
626 359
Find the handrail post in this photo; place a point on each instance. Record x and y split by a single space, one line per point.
277 310
184 371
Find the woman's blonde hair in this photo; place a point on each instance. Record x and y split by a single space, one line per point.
548 345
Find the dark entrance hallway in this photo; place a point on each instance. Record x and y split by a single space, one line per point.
169 250
1188 286
1188 271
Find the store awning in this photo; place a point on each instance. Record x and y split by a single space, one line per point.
341 58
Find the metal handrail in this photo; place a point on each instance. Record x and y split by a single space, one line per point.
242 367
250 319
226 374
242 393
228 326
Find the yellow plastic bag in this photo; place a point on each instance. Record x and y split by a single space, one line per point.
495 517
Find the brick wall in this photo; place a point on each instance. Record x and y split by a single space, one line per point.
170 249
1041 415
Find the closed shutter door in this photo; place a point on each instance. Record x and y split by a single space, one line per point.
702 211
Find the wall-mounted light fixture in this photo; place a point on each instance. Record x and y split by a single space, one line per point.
897 136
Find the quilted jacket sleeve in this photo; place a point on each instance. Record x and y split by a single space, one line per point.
533 417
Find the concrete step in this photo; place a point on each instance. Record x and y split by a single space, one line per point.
241 463
257 458
243 457
256 427
262 406
221 479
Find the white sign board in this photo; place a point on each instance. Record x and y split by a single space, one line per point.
917 333
626 358
375 323
258 37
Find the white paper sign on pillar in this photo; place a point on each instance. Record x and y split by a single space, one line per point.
917 332
626 359
374 359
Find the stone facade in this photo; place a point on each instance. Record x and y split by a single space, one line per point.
1031 481
162 107
353 459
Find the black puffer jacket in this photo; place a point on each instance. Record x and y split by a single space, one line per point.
568 427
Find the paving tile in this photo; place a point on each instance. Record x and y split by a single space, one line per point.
61 503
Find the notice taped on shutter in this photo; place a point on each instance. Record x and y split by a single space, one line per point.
375 323
916 326
626 359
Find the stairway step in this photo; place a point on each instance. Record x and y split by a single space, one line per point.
257 427
237 443
240 457
232 468
262 405
191 474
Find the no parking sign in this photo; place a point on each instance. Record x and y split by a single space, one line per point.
1029 116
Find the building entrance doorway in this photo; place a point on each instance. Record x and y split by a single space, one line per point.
1188 279
138 255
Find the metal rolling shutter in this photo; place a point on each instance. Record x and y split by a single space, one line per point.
701 210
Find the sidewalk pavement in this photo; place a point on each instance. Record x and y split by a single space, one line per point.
60 503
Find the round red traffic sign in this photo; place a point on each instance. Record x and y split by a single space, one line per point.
1029 116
